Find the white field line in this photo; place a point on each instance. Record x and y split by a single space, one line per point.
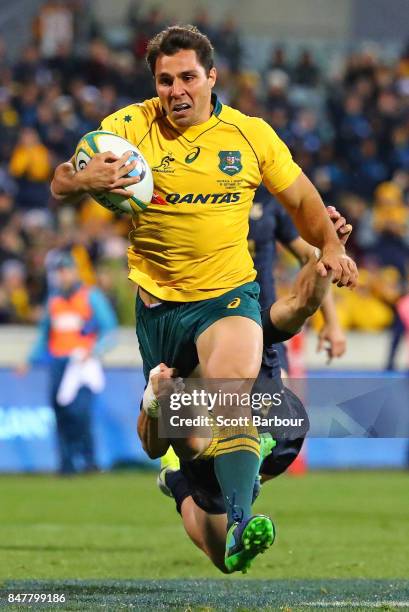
354 604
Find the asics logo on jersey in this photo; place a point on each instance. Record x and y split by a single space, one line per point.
164 165
203 198
235 303
190 158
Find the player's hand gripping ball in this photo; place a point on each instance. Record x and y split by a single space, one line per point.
140 193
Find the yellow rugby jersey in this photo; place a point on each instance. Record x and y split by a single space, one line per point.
195 246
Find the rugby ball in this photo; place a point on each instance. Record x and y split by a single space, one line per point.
140 194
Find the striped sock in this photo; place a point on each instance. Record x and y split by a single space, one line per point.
236 463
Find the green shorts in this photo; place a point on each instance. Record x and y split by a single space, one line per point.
167 333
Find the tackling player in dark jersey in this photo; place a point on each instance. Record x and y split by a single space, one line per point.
193 484
270 224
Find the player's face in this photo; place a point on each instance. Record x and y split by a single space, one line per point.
184 87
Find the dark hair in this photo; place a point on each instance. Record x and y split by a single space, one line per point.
176 38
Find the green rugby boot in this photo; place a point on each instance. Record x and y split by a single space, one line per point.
245 540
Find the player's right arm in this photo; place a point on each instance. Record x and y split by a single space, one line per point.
148 433
162 382
104 172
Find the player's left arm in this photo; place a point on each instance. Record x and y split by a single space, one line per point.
310 290
289 313
287 234
285 180
306 208
331 336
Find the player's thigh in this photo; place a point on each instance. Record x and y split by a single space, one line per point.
231 348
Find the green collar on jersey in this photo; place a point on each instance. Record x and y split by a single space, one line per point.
217 105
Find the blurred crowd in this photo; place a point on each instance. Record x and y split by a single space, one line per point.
348 129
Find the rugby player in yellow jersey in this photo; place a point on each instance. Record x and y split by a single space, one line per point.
193 484
197 300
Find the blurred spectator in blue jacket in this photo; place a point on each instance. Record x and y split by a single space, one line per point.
306 72
227 43
77 329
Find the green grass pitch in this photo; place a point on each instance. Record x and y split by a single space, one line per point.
113 541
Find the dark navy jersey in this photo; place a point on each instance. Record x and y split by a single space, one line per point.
274 359
268 223
200 473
